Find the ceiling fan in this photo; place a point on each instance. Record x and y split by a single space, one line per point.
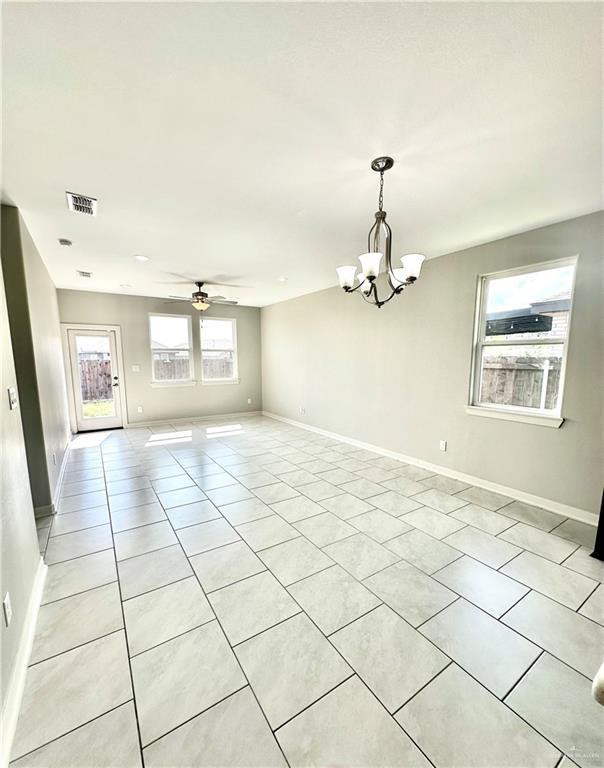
200 300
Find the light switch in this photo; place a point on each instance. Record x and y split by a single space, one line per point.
12 398
136 369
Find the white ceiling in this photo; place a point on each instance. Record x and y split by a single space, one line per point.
234 140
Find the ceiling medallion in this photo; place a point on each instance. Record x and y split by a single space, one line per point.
379 244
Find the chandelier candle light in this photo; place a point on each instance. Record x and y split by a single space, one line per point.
379 244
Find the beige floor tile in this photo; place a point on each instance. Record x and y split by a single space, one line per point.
68 690
459 724
231 734
181 678
290 666
348 727
371 643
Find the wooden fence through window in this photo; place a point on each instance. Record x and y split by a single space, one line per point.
95 380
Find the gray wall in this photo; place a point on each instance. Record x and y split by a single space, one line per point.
18 541
131 313
398 377
36 337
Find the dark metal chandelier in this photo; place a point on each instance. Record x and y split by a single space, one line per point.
379 244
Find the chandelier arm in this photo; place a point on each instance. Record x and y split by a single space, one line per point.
353 290
369 300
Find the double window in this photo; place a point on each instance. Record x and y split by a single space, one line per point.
171 349
521 337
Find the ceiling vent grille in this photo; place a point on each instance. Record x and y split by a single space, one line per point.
81 203
81 273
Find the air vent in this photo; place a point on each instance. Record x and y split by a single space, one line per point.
81 273
81 203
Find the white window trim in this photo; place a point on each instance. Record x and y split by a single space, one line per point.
214 382
172 382
507 412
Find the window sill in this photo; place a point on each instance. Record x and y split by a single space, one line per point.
163 384
217 382
555 422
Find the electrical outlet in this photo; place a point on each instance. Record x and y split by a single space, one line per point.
443 445
7 608
302 410
249 401
140 409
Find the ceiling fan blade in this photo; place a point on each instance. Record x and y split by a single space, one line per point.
220 300
185 280
176 301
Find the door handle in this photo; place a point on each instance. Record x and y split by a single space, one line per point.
115 385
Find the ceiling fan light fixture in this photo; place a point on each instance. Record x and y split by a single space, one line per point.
200 305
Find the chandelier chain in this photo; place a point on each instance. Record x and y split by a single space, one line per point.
381 198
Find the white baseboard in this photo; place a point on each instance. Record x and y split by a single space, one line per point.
16 684
192 419
59 485
44 511
575 513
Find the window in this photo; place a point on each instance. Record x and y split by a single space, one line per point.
170 347
523 319
218 350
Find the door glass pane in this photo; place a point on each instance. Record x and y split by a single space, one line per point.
524 376
96 380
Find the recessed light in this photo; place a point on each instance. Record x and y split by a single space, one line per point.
65 241
142 258
282 279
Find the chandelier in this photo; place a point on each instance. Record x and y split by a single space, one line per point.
379 244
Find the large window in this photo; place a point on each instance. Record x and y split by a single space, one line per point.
218 350
523 319
170 348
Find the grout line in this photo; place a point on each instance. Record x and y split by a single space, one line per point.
81 592
523 675
75 647
72 730
266 629
172 637
586 599
312 703
352 621
78 557
119 586
444 608
397 722
425 685
198 714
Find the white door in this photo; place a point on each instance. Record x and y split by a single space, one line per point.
96 379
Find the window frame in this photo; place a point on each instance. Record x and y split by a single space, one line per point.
525 414
235 378
172 382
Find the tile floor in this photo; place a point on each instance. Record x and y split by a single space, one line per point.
247 593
